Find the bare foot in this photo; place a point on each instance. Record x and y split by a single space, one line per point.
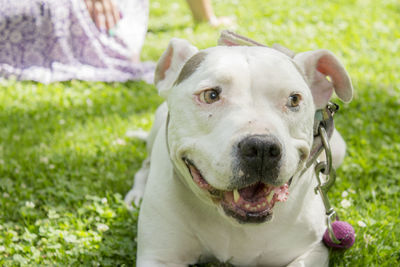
221 21
202 11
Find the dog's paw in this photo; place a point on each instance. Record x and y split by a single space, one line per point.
133 197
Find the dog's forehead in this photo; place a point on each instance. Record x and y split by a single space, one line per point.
223 62
244 52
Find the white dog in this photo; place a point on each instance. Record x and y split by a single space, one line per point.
227 149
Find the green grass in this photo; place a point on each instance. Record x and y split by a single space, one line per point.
66 161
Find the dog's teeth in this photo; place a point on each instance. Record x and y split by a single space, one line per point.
236 195
269 197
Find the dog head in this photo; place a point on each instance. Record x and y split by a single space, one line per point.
241 120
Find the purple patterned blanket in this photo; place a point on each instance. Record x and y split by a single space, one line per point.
56 40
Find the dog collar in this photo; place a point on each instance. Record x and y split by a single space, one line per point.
339 234
322 118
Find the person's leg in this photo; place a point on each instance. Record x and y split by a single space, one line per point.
202 11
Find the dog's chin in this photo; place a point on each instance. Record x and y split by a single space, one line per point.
250 204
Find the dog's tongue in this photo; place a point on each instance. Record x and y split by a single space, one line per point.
253 191
281 193
258 190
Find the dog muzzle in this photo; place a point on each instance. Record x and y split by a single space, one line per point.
250 204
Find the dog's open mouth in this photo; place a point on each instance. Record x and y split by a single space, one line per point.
251 204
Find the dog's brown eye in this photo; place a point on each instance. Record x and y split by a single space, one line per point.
294 100
209 96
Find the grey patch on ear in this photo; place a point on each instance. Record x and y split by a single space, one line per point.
190 66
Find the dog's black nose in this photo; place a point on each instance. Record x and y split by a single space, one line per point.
263 148
260 156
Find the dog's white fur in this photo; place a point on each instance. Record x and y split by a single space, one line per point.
178 222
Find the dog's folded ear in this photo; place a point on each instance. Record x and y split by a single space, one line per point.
324 73
171 63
